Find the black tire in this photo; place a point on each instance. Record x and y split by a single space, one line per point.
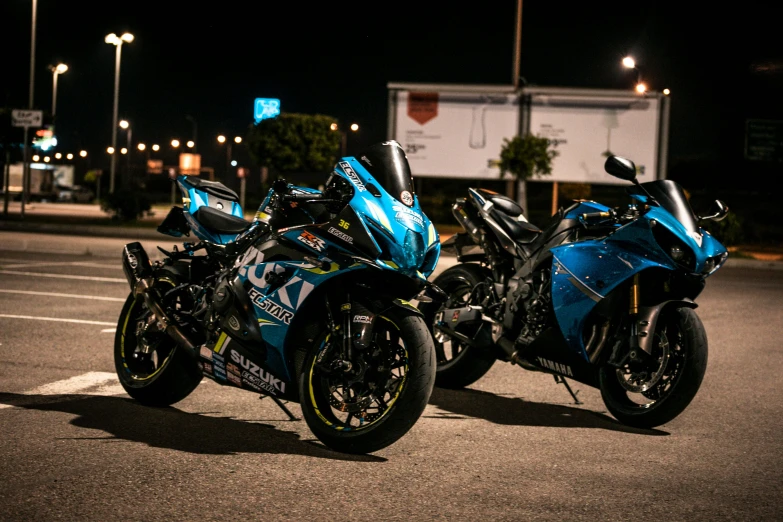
407 399
458 365
158 380
682 334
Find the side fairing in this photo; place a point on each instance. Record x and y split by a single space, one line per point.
584 273
276 301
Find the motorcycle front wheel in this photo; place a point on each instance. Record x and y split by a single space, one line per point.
650 396
374 402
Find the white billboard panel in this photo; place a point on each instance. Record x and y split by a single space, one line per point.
588 128
455 134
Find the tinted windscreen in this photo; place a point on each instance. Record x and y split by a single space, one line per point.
387 163
672 198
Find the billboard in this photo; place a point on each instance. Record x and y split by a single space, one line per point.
587 129
453 133
457 131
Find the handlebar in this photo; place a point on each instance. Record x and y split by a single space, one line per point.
594 218
302 197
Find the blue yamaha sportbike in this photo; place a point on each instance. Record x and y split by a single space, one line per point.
307 303
602 296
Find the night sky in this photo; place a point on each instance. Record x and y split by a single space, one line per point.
210 60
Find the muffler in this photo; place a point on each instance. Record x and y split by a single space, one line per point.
138 271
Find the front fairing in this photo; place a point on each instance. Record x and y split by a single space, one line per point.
406 238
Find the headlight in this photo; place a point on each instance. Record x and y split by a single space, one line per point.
674 247
413 249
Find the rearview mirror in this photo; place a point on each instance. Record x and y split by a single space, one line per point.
620 167
717 211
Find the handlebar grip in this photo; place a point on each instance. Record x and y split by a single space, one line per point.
595 216
302 197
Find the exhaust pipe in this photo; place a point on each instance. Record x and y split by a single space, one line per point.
138 271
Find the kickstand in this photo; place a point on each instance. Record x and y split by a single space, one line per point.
561 380
282 406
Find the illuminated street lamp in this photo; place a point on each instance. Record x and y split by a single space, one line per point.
56 71
222 139
117 41
630 63
666 92
156 147
110 150
175 143
69 156
36 157
83 153
141 146
191 144
123 150
344 135
46 159
58 156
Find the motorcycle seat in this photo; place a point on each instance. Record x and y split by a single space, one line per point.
501 202
214 188
520 231
220 222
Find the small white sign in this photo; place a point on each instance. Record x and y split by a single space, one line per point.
27 118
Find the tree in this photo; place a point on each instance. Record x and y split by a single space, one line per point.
294 143
526 157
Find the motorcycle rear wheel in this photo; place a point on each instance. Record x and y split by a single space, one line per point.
458 365
162 376
381 403
656 395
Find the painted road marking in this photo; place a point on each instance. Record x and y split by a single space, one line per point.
21 263
73 296
58 319
109 330
92 383
65 276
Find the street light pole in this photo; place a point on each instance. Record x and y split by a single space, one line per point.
113 39
26 169
56 71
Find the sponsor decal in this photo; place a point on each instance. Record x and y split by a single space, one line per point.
233 368
218 359
352 175
342 235
234 378
257 376
455 316
207 367
205 352
233 323
404 214
555 367
270 307
316 243
364 319
407 198
344 224
132 261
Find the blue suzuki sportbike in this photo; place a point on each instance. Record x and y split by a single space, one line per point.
307 303
602 296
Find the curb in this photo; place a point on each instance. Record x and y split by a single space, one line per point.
151 234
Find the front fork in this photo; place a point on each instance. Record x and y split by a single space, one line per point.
638 318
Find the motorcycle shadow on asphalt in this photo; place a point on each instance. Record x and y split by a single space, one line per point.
169 428
514 411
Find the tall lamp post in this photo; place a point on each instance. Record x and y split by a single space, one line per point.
222 139
344 136
124 124
117 41
56 71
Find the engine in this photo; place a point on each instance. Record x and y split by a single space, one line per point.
529 305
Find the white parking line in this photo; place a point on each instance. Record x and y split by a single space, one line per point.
21 263
73 296
91 383
66 276
58 319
